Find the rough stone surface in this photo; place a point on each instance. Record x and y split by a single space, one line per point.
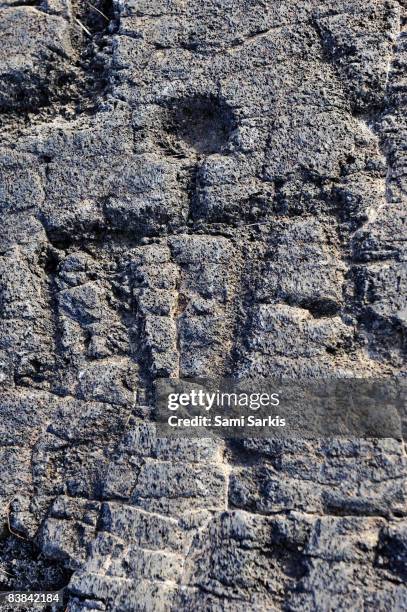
197 188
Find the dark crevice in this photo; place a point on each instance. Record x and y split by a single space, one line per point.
319 308
239 455
64 86
24 568
202 124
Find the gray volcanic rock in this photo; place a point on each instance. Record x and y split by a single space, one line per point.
35 53
196 188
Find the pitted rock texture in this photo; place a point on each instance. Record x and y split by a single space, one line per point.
198 188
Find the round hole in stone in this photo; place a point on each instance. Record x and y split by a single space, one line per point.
203 123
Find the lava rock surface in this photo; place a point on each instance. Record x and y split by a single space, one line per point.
198 188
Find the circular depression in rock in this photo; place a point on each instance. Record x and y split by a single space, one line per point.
202 123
